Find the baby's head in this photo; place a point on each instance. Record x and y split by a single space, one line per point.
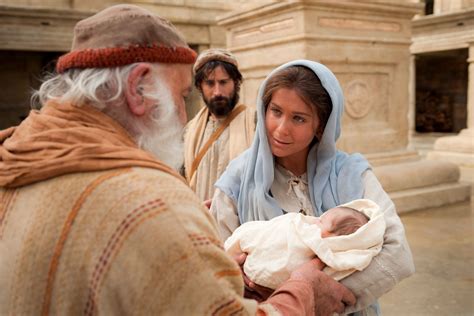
341 220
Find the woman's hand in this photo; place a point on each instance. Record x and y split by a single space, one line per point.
252 290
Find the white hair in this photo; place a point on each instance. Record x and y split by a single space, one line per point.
159 133
94 86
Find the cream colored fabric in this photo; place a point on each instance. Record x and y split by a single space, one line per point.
277 247
233 141
291 191
392 264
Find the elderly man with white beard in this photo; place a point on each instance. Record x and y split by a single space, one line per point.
93 220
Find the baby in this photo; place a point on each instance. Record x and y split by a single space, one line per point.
345 238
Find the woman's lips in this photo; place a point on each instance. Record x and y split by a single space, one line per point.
279 142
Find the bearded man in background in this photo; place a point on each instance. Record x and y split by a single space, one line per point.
222 129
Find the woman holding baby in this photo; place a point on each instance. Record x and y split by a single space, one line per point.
293 166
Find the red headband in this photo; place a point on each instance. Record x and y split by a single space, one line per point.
120 56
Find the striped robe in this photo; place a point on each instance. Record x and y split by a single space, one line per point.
118 242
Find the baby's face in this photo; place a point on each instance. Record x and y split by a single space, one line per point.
326 221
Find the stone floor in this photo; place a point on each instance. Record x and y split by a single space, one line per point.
442 243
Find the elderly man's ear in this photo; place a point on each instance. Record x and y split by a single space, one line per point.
139 77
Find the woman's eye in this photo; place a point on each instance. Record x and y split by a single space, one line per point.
299 119
275 111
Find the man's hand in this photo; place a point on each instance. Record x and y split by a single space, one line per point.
329 295
252 290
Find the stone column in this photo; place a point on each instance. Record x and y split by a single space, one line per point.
470 89
412 98
459 149
366 45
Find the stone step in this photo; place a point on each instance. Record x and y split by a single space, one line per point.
458 150
433 196
416 174
422 184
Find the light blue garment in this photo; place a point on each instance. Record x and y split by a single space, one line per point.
334 177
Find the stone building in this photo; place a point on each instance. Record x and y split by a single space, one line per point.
367 45
442 105
390 56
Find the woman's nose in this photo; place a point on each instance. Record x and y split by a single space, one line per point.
283 127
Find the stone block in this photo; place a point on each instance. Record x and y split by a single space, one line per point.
432 196
417 174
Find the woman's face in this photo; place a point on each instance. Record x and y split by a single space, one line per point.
291 125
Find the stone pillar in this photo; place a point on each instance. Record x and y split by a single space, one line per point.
366 45
412 99
459 149
470 89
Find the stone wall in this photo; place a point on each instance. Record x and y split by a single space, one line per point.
19 75
447 6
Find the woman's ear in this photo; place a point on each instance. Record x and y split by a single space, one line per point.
137 78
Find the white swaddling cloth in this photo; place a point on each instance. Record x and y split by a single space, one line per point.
277 247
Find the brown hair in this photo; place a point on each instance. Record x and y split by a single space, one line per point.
308 87
349 223
204 71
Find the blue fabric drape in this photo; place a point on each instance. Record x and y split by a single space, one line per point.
334 176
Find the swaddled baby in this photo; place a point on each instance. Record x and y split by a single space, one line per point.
345 238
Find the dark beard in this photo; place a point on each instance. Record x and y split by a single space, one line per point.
221 106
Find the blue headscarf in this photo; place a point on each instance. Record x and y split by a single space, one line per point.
334 177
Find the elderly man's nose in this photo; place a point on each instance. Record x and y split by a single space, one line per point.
183 116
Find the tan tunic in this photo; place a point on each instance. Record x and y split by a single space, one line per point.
233 141
99 243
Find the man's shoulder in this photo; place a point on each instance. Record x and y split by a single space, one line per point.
249 111
248 117
197 116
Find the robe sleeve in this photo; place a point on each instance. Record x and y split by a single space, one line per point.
393 263
224 211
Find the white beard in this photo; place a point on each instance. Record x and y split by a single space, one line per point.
162 135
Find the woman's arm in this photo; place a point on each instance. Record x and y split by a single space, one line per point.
224 211
393 263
